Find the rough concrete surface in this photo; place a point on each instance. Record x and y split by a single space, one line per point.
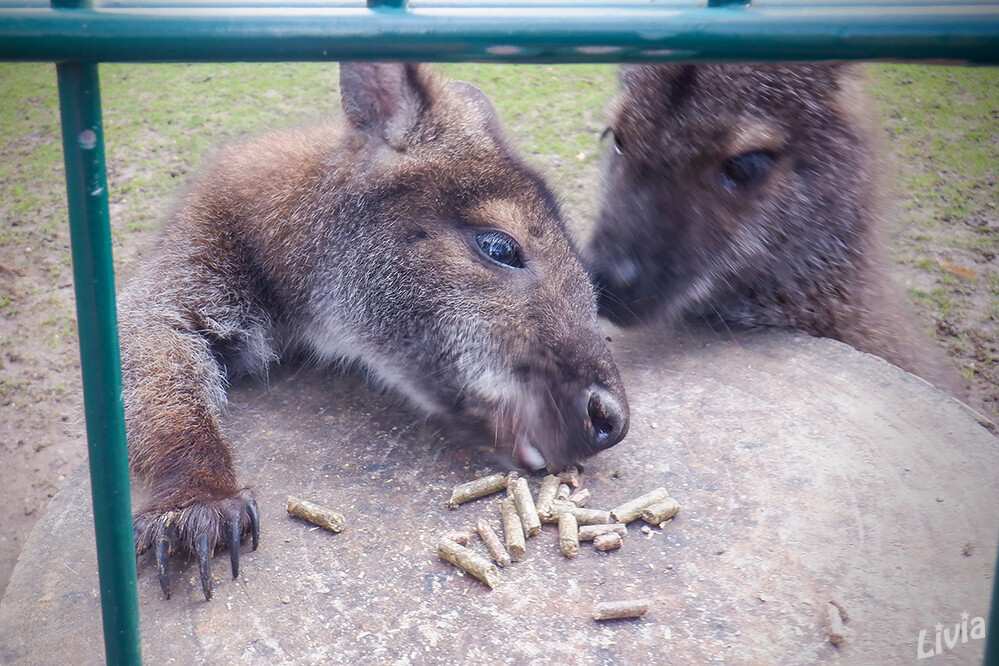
808 473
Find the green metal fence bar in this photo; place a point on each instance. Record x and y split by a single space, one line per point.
491 31
93 276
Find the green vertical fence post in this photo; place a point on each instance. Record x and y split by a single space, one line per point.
93 274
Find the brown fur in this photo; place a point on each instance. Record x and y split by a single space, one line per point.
750 194
360 243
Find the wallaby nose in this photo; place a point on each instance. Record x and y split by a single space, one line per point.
607 417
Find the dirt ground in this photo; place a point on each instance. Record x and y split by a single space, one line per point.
41 428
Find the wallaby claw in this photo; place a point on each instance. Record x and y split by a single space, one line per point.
163 563
254 513
198 529
234 547
204 553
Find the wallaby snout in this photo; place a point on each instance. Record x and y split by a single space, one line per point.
557 424
603 420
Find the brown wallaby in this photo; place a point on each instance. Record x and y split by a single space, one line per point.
408 240
749 194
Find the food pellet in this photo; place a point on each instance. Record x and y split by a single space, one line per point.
466 492
568 535
835 629
608 541
583 516
468 561
660 511
489 537
632 510
526 509
580 497
613 610
317 515
590 532
546 495
513 530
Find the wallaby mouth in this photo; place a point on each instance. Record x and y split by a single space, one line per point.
525 455
555 433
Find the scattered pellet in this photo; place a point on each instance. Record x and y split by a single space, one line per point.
546 495
469 561
568 534
608 541
835 629
580 497
583 516
564 493
493 543
513 530
590 532
526 509
660 511
466 492
316 514
571 476
630 511
613 610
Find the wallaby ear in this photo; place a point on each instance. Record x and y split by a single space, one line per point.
383 99
478 100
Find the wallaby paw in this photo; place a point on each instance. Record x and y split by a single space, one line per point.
198 528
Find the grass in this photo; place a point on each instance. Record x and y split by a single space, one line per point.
942 127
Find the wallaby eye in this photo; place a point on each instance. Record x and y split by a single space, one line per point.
747 169
499 247
618 146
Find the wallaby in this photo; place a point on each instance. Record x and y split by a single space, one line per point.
408 240
749 195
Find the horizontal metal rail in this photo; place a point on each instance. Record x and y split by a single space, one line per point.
503 31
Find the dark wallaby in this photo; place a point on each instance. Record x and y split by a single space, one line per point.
408 240
749 194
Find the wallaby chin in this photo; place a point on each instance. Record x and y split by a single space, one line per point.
409 241
750 194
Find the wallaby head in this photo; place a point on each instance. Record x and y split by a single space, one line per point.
730 178
749 194
454 279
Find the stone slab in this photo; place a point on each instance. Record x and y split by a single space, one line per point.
807 472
